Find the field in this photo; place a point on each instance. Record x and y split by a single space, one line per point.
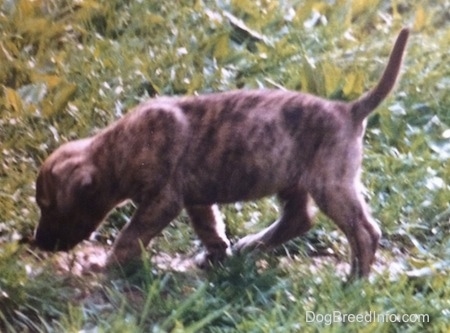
68 68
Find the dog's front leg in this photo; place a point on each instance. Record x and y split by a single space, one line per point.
210 228
147 222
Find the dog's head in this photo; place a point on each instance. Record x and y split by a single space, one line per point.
67 192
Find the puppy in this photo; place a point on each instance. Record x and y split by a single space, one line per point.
194 152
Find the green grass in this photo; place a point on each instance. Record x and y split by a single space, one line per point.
69 68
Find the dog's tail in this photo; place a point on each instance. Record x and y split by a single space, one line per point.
363 106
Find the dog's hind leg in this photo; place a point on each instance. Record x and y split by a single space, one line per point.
345 206
295 221
210 228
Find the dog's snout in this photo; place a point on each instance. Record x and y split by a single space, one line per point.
47 241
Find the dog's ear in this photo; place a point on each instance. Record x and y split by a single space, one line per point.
84 181
81 184
76 181
44 196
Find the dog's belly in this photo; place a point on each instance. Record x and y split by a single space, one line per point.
235 182
226 193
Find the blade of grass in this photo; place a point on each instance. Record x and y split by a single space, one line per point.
177 313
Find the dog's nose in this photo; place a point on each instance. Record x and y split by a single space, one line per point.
48 242
28 239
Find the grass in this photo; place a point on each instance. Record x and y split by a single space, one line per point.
70 67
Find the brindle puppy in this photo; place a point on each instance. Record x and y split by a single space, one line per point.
194 152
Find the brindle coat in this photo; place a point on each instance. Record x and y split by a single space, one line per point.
194 152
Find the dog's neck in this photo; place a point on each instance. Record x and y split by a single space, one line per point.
115 175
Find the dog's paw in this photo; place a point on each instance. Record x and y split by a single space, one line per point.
202 260
206 260
247 244
95 268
